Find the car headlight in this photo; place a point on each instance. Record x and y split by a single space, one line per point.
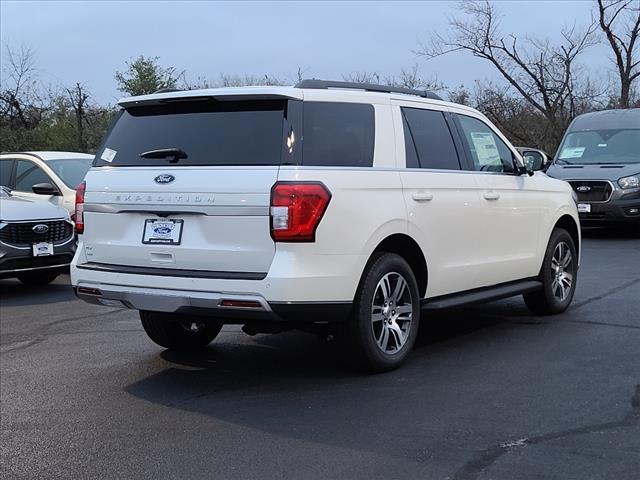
630 182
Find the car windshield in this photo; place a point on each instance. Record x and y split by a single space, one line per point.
71 170
596 147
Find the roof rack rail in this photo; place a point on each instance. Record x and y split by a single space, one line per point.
167 90
369 87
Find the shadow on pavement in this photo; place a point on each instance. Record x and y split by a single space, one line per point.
15 294
283 384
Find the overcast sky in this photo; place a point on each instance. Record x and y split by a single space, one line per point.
88 41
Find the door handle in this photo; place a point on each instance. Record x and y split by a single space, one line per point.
491 195
422 196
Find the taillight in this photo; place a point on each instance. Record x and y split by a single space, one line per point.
296 210
79 215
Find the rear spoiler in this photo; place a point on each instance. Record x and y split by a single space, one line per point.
218 94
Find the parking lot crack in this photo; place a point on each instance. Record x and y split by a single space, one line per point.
605 294
485 458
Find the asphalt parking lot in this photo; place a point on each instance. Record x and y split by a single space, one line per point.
491 392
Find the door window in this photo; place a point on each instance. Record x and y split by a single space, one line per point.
28 174
5 172
428 141
488 152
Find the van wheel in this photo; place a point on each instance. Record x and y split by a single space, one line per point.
37 279
386 315
558 276
178 332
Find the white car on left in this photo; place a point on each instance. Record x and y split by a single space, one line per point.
48 176
37 240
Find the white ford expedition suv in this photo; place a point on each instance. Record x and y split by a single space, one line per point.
329 206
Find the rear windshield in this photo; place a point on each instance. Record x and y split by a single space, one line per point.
206 131
600 147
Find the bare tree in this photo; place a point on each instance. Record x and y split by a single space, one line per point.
78 98
20 103
542 73
619 20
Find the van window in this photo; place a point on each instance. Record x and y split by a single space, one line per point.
209 131
428 130
488 152
600 147
338 134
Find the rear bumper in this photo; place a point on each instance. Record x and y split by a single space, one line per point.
212 304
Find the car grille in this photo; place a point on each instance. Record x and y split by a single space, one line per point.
592 190
22 234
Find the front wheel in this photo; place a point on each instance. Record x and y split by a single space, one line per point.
178 332
558 276
386 315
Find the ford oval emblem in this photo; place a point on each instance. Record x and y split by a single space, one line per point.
164 178
583 188
40 228
162 231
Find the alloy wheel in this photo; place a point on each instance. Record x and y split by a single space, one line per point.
391 312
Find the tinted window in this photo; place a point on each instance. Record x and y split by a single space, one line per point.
411 156
210 132
433 142
338 134
5 172
70 171
28 174
601 146
488 152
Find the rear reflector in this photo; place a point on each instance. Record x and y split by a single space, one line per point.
240 304
89 291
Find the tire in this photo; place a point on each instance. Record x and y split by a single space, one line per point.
37 279
378 337
174 331
558 275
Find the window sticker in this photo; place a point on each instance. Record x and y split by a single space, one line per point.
108 155
572 152
486 148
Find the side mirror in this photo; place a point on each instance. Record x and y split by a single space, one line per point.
45 189
534 160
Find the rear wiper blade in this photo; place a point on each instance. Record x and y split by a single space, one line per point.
173 154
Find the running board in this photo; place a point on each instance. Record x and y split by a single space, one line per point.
481 295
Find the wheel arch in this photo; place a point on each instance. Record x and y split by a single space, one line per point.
405 246
568 223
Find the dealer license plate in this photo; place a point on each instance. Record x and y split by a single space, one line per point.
584 208
162 231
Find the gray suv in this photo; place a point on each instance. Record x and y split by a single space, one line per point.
600 157
37 241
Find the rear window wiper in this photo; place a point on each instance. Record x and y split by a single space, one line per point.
173 154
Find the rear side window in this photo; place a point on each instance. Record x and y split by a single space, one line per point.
338 134
428 141
208 131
